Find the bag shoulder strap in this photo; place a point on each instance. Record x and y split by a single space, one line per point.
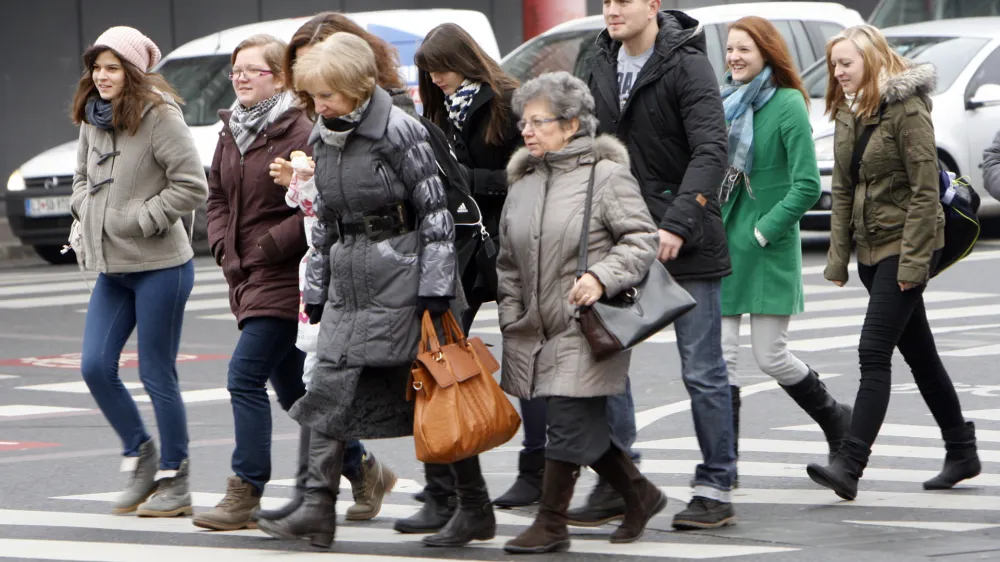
859 149
581 264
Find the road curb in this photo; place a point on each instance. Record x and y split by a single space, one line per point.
16 252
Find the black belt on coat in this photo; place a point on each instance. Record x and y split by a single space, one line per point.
384 223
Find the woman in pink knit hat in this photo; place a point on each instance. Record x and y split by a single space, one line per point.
138 172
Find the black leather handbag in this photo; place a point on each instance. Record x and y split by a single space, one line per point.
615 324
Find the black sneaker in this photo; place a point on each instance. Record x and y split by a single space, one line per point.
704 513
604 505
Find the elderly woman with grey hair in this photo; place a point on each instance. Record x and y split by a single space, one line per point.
545 354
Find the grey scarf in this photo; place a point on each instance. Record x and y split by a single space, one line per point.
247 123
334 132
100 113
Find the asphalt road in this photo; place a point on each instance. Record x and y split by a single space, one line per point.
59 459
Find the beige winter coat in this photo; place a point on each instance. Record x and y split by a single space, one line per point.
130 191
544 352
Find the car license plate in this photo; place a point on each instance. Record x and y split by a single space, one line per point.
46 206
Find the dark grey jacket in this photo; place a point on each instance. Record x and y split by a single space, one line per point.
370 315
991 167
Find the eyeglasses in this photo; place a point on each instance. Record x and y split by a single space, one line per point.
249 73
536 123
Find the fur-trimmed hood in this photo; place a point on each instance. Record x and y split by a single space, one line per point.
918 79
602 147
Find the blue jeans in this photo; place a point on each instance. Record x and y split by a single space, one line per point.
153 302
266 352
703 369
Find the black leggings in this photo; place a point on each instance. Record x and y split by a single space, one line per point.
894 319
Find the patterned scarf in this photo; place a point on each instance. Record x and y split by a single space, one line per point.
334 131
458 103
740 102
248 122
100 113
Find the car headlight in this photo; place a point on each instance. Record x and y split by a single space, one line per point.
824 149
16 181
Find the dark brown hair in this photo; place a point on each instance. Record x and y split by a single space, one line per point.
138 91
322 26
774 50
449 48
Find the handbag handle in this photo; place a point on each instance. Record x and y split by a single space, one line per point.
581 264
429 340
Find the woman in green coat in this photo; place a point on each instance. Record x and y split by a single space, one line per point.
772 181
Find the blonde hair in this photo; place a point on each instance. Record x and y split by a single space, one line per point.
343 62
879 60
274 51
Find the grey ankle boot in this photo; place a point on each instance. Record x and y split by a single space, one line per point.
172 497
141 480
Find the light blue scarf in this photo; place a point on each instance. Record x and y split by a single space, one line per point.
737 99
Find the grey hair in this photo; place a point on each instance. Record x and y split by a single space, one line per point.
568 98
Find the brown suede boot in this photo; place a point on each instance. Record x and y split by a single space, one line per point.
548 533
377 480
643 500
233 512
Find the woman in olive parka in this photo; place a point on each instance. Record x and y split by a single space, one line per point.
888 202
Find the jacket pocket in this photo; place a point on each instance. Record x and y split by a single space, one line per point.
393 271
124 224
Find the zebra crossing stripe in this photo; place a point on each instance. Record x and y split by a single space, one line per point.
798 471
852 340
866 499
811 448
905 430
991 415
104 552
18 410
929 525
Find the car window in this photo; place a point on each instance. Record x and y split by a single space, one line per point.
899 12
802 43
785 28
203 83
987 73
716 36
563 51
949 55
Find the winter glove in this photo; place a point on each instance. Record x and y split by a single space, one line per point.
437 306
315 313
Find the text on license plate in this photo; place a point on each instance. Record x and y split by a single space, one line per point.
46 206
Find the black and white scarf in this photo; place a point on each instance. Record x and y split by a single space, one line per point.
458 103
247 123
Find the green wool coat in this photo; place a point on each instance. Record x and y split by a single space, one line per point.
785 184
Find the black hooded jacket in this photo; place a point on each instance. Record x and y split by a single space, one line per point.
674 127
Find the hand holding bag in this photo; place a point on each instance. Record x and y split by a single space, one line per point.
614 324
460 410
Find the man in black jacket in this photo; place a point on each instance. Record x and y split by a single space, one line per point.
657 92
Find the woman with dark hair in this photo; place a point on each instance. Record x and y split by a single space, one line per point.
468 95
137 173
257 240
370 480
773 180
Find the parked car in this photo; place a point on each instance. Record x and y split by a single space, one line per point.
38 192
891 13
966 103
805 26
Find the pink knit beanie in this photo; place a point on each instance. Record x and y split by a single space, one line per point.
131 45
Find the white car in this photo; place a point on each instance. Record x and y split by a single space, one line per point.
805 26
38 192
966 103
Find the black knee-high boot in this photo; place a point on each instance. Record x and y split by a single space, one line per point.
474 519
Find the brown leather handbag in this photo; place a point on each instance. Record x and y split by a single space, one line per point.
460 410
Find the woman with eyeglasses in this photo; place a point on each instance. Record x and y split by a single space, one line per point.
258 240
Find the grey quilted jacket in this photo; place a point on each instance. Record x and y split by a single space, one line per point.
370 313
544 351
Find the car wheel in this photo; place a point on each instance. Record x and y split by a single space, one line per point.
53 254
